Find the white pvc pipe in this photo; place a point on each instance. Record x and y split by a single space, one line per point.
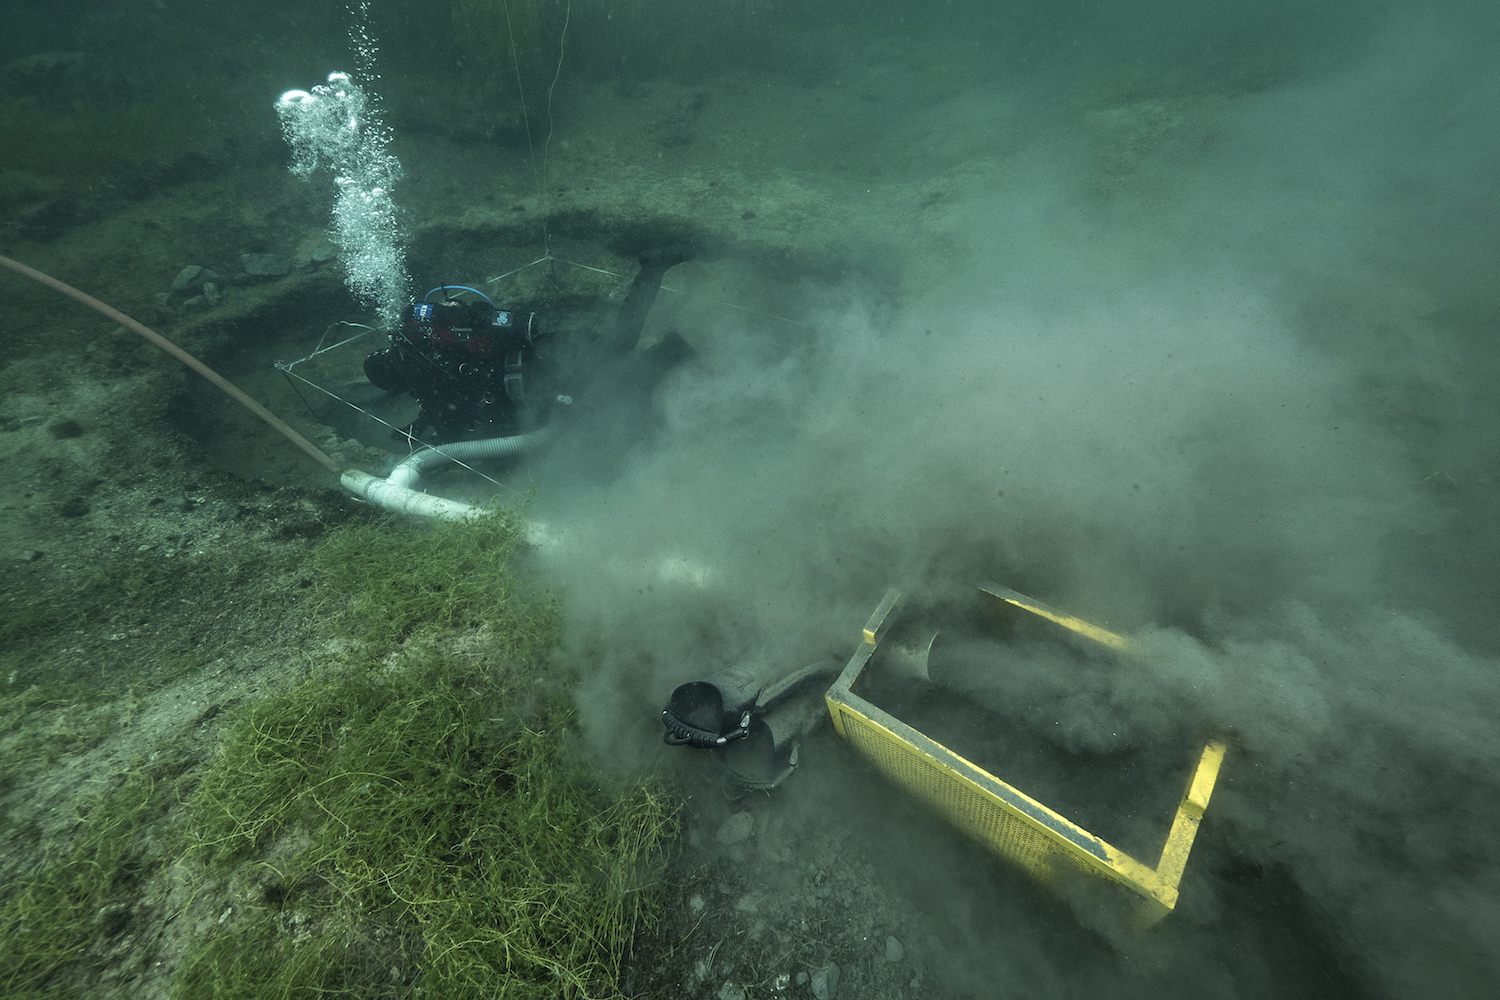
399 491
411 470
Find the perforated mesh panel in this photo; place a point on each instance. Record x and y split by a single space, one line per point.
1009 822
965 806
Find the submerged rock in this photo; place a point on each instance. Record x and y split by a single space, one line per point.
192 278
825 982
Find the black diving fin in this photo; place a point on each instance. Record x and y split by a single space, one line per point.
753 720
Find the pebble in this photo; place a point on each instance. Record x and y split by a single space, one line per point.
825 982
192 278
695 903
736 828
893 950
305 260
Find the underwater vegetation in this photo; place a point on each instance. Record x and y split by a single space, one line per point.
427 841
409 814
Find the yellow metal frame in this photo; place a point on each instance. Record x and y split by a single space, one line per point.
1014 825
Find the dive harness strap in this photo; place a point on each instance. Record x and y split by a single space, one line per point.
680 733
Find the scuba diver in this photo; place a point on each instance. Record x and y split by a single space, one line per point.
480 371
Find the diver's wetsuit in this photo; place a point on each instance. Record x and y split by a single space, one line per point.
631 318
482 379
616 383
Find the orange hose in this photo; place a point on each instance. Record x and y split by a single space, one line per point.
234 393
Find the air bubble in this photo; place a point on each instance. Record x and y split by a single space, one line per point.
335 127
